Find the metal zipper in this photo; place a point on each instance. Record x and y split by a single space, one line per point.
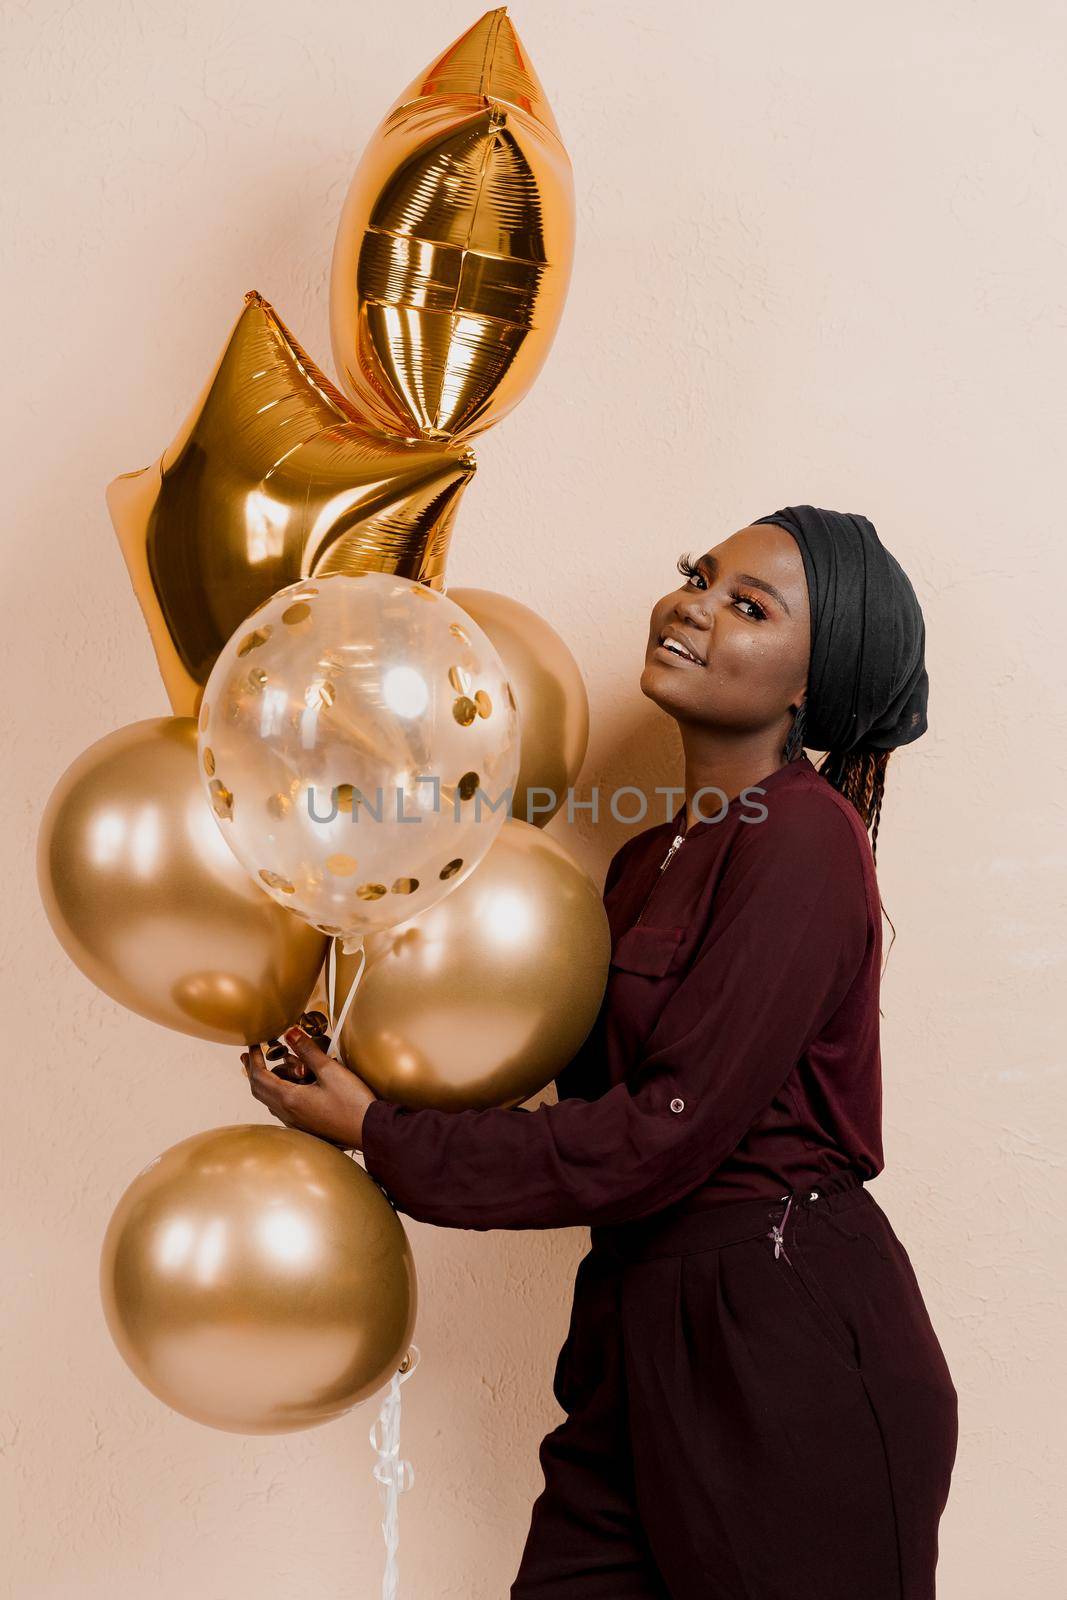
678 839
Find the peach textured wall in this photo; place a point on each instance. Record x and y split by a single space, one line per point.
821 257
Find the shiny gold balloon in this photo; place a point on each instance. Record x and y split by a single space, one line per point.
454 248
148 902
550 695
483 999
273 477
257 1280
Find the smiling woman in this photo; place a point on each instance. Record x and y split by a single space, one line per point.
731 648
745 1303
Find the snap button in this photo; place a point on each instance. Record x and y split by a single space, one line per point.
677 1105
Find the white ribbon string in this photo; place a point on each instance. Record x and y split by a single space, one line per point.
331 991
392 1473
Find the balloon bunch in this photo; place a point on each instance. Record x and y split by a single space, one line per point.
340 720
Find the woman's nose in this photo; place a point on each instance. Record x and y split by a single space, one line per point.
691 610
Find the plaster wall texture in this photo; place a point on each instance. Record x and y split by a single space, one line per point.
820 258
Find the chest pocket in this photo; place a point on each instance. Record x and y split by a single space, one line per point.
650 951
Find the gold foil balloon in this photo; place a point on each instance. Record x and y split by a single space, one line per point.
550 693
274 476
148 902
257 1280
355 737
484 999
454 247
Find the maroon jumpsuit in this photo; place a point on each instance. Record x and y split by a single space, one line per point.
757 1404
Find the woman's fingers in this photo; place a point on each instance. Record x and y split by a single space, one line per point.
280 1063
267 1087
289 1067
311 1055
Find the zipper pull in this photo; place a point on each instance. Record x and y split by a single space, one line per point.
678 839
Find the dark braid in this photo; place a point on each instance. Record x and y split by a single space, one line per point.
859 775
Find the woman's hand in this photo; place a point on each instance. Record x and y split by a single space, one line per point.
322 1097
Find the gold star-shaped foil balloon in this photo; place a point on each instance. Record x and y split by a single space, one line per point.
274 477
454 248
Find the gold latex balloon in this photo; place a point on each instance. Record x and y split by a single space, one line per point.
455 244
273 477
148 902
550 695
483 999
358 746
257 1280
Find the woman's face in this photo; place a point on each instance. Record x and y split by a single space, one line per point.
744 616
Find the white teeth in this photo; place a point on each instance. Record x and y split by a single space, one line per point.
672 644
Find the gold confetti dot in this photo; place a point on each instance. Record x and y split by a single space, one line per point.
371 891
483 702
405 885
451 869
300 611
344 796
221 799
464 710
273 880
209 763
256 681
459 633
279 805
467 785
459 679
252 641
340 865
205 712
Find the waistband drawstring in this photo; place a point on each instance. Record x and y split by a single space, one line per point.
777 1233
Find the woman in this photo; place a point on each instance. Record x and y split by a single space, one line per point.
757 1405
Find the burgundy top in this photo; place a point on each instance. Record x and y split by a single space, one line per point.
736 1051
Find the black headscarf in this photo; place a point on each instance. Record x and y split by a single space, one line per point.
867 683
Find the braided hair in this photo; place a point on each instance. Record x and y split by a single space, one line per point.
858 775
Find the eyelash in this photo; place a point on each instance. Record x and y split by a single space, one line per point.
690 570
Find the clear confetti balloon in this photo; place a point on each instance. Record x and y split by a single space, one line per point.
359 745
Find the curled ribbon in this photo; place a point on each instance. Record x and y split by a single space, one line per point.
392 1473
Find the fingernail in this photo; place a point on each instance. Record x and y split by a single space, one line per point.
293 1034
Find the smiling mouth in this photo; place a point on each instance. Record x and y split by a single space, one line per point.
671 647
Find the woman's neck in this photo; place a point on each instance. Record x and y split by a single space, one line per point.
723 767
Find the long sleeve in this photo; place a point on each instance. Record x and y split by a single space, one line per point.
788 932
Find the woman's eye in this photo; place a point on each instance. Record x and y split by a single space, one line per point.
689 570
757 611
